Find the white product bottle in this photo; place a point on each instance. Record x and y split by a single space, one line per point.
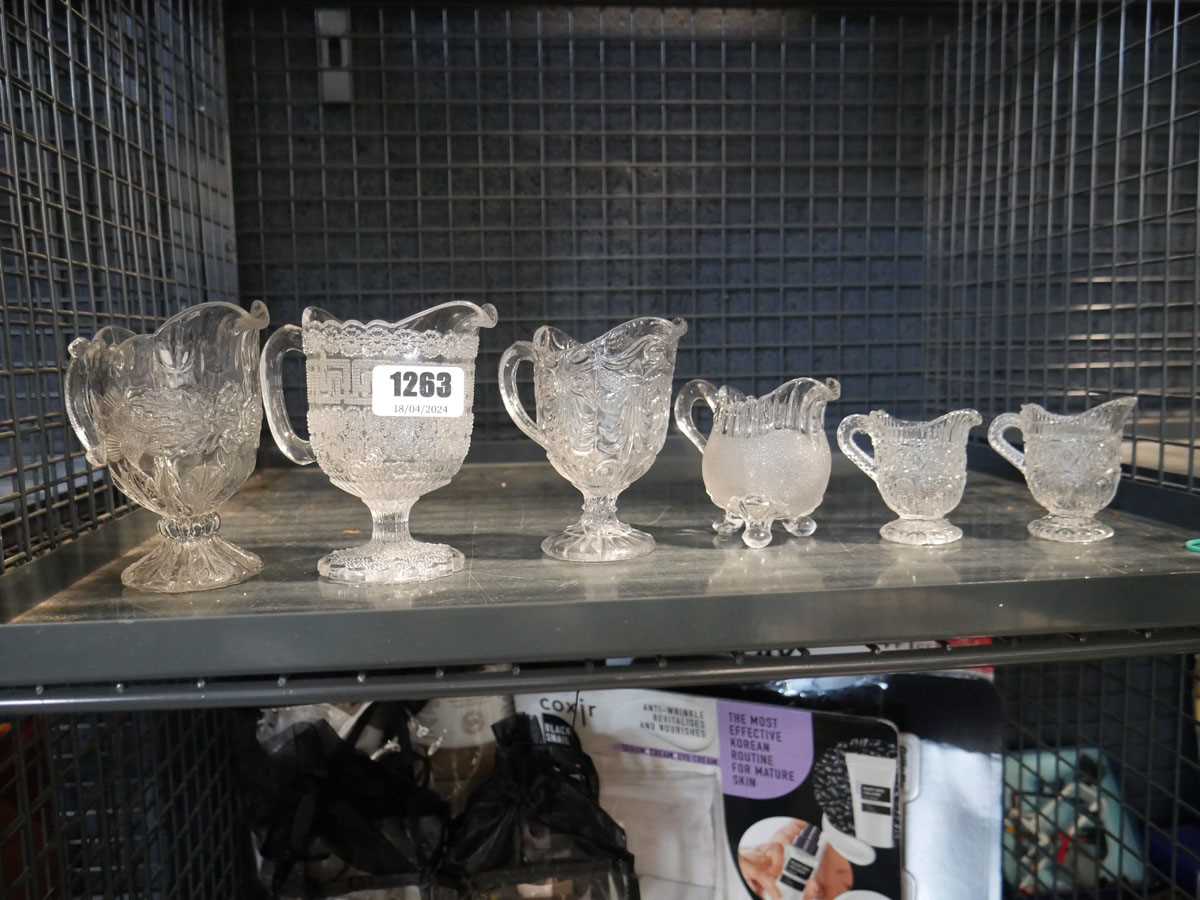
456 734
801 862
872 796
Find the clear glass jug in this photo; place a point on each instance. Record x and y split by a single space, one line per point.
767 457
176 417
1072 464
389 420
920 467
602 411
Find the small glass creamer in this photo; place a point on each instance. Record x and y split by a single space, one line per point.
920 467
1072 464
767 457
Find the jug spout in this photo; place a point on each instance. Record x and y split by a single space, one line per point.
1112 415
637 330
955 425
184 341
455 317
644 346
808 397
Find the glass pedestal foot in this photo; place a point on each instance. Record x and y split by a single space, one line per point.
801 526
607 541
387 562
920 532
1069 530
201 564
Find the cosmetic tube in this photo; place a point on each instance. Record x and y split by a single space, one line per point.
873 797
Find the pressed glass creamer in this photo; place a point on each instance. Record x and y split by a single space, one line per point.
767 457
1072 464
920 468
602 412
389 420
175 416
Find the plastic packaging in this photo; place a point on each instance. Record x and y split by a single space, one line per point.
535 827
333 815
952 773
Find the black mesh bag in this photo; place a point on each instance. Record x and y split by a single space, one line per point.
535 827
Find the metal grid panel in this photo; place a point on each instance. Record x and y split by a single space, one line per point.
1065 150
30 862
1140 713
115 209
757 171
125 806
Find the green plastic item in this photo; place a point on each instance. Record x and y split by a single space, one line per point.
1193 545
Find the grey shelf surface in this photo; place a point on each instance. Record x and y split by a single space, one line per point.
69 621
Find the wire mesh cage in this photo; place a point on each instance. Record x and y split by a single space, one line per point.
124 806
942 206
115 210
1101 778
1064 152
759 172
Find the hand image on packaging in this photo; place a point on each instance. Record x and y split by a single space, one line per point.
763 864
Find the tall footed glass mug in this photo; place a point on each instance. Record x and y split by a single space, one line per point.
176 416
1072 464
766 458
920 468
602 414
389 420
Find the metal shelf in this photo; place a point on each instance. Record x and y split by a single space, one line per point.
589 675
692 612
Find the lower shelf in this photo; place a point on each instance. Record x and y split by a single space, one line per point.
148 804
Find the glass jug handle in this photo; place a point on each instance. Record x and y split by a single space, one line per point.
521 351
685 402
79 409
1000 443
851 426
270 377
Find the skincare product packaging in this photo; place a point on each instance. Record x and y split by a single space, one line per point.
952 737
729 800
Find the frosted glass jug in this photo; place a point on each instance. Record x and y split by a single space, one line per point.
1072 464
920 468
389 420
767 457
176 417
602 412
